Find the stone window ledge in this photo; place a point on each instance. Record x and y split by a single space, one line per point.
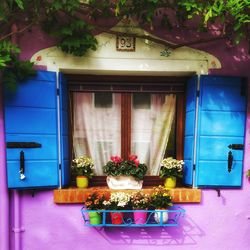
78 195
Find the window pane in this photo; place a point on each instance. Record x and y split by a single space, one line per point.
103 100
141 101
96 132
151 131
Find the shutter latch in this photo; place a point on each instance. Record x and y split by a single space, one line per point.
22 159
230 161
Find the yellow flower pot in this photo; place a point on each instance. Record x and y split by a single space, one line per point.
170 182
82 181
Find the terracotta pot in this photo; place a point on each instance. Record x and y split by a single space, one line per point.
116 218
161 215
140 217
170 182
94 218
82 181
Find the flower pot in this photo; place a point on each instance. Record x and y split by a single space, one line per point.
161 216
116 218
94 218
123 182
82 181
170 182
140 217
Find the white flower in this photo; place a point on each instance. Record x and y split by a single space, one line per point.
121 198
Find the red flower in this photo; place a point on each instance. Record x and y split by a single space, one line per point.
116 159
134 159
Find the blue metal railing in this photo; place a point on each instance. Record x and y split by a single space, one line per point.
154 218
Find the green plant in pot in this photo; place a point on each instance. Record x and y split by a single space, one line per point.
171 169
125 174
161 200
82 169
94 201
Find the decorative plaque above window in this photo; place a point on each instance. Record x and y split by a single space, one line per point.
125 43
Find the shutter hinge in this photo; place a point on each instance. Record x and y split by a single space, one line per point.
60 166
57 92
198 93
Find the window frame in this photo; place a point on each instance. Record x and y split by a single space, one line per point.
128 85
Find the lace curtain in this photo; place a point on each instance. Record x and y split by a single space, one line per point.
97 129
151 128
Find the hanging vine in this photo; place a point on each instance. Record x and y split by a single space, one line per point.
73 24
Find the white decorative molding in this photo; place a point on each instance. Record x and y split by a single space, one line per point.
149 58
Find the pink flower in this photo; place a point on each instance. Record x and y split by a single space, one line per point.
116 159
134 159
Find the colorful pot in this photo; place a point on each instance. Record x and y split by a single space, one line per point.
140 217
82 181
94 218
170 182
116 218
161 216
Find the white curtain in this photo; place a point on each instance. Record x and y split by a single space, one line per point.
151 128
97 130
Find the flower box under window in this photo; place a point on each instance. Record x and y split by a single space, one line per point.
174 215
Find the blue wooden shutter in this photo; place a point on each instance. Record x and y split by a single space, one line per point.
64 130
189 138
31 116
221 122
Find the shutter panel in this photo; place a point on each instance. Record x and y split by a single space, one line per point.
190 130
64 130
31 116
222 115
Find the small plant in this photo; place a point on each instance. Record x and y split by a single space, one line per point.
95 201
139 200
131 167
248 173
161 198
83 165
171 168
117 201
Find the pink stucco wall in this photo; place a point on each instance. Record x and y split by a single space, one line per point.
216 223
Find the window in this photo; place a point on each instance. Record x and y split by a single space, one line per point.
212 124
110 118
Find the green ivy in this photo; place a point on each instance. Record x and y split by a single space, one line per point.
70 22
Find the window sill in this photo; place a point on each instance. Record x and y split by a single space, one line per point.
78 195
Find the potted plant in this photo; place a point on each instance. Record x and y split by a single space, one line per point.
94 201
82 168
161 200
117 201
125 174
140 201
170 170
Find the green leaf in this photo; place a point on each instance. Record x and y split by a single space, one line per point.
20 4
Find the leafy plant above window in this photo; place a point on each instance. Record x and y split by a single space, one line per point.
73 23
